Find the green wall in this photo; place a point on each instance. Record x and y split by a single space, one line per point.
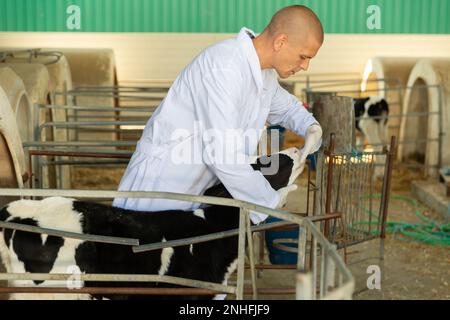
221 16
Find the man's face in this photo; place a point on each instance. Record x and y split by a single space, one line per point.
291 57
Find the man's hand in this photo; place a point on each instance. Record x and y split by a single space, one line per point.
283 192
312 139
313 136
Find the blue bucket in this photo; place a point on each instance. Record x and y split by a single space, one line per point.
277 240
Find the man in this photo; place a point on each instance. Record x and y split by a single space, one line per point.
231 86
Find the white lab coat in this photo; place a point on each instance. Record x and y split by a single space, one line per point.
222 88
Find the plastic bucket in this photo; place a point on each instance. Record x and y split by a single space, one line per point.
281 245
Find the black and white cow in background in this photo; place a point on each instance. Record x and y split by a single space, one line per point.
375 130
212 261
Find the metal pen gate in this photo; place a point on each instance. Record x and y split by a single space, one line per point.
332 281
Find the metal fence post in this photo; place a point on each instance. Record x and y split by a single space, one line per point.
241 255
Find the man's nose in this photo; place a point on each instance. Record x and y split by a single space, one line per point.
304 65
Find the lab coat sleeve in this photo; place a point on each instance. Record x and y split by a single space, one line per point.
218 109
287 111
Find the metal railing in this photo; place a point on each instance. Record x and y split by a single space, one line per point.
339 286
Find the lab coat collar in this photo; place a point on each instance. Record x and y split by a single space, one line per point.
253 59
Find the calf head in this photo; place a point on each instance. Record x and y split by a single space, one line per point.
288 169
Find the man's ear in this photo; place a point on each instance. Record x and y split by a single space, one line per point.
280 41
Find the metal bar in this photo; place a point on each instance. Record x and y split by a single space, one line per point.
78 154
322 272
325 274
301 251
241 255
118 96
329 183
116 129
275 266
85 163
82 143
411 114
96 108
387 186
94 151
404 142
89 123
112 117
441 127
118 278
110 291
72 235
356 80
251 257
220 235
120 88
387 89
304 286
314 266
137 291
371 168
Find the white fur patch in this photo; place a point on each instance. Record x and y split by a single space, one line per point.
52 213
231 268
199 213
166 256
44 238
191 247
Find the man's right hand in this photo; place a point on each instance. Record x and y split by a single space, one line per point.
283 192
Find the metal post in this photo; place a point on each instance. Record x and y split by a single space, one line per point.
386 191
301 251
441 126
241 255
304 288
329 183
251 258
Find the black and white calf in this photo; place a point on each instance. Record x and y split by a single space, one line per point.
212 261
374 129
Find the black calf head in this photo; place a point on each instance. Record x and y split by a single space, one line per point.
375 109
378 109
278 180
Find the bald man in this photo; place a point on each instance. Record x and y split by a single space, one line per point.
208 127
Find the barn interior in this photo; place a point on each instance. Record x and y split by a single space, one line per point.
79 80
